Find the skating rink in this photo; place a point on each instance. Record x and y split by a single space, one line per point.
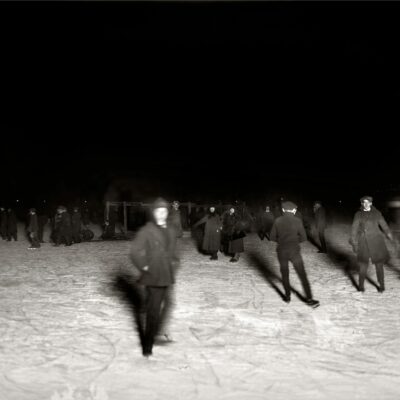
68 331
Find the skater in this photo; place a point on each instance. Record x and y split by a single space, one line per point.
212 233
3 223
288 231
153 253
33 229
232 235
265 222
320 224
368 241
76 220
175 219
63 230
12 229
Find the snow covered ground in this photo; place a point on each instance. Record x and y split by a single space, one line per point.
68 333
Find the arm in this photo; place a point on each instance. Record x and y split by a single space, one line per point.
302 232
201 221
354 232
384 226
274 233
138 253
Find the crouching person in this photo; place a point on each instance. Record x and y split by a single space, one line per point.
153 252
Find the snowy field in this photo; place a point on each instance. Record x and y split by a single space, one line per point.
68 333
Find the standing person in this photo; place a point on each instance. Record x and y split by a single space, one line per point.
3 223
320 224
233 234
175 218
288 231
12 228
43 219
64 227
265 222
368 241
212 233
76 221
33 229
153 252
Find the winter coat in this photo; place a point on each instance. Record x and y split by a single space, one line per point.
153 252
212 232
320 219
288 231
11 222
232 233
174 218
33 223
367 237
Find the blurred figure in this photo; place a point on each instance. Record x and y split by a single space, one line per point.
197 231
265 222
63 231
368 241
288 231
12 228
3 223
175 219
43 219
233 234
153 252
320 225
33 229
76 221
212 233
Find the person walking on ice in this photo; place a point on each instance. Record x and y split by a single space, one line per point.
288 231
367 239
153 252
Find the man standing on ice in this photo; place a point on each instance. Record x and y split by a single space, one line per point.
368 241
288 231
153 252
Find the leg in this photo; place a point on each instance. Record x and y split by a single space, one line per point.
363 274
299 267
284 266
322 241
380 276
155 297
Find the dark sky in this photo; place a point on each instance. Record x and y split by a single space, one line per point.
198 98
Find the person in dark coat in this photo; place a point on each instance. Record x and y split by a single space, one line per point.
212 233
368 241
76 221
174 218
64 227
33 229
12 228
233 234
3 223
265 222
153 253
288 231
43 219
198 230
320 225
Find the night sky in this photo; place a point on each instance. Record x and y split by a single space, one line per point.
199 100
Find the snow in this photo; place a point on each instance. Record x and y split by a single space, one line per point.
68 334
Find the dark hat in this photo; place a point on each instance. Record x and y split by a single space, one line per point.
288 205
160 203
369 198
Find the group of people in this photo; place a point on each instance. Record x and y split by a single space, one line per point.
66 228
8 224
153 249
